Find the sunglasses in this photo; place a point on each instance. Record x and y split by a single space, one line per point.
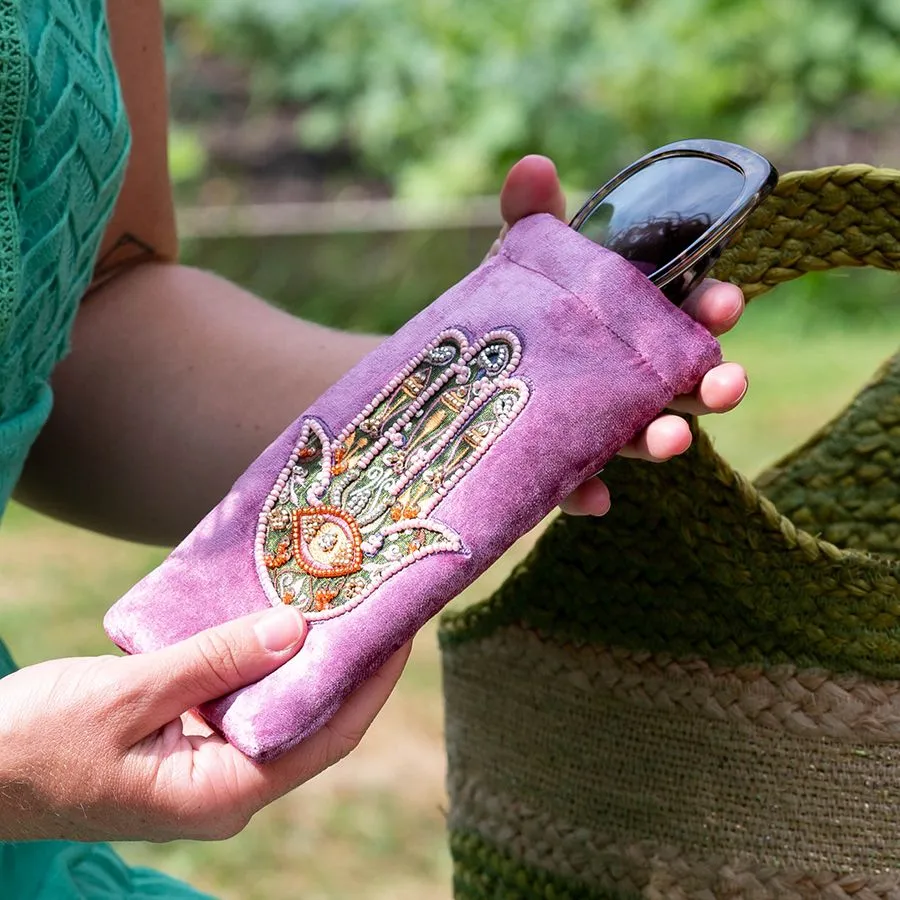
674 211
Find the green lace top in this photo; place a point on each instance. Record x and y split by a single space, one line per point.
64 142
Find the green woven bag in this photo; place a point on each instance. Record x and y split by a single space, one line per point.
699 696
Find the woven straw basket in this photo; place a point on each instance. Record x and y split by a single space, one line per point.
699 696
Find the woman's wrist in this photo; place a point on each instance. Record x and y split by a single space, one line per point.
13 783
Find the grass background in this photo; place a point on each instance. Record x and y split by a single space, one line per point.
372 827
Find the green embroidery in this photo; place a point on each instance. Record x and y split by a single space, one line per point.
346 514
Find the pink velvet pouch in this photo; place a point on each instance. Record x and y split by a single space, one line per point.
419 468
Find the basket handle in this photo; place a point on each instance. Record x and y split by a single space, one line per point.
695 560
841 483
814 221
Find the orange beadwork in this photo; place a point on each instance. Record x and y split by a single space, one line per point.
306 452
323 598
339 466
338 553
287 598
280 557
396 512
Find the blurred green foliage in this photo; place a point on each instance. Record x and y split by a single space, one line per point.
187 155
439 96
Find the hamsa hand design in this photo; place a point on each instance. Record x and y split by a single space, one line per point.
347 513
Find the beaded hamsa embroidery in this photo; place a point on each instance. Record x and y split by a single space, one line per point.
347 514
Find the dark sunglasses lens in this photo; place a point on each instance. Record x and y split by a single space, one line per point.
663 208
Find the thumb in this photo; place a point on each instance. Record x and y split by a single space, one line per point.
216 662
532 186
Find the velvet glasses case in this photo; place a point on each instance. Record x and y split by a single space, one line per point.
419 468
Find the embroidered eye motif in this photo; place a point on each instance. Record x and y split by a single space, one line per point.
494 357
347 513
327 542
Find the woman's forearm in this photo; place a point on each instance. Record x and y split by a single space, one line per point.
176 381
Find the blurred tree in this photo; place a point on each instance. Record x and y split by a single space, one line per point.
439 96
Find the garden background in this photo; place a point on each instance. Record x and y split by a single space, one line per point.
343 159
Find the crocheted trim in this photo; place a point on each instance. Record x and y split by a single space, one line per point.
347 513
13 95
72 170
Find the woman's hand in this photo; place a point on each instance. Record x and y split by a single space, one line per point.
532 186
104 749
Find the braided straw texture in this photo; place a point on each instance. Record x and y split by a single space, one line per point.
658 873
824 219
769 611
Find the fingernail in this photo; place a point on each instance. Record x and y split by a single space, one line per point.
728 366
281 628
